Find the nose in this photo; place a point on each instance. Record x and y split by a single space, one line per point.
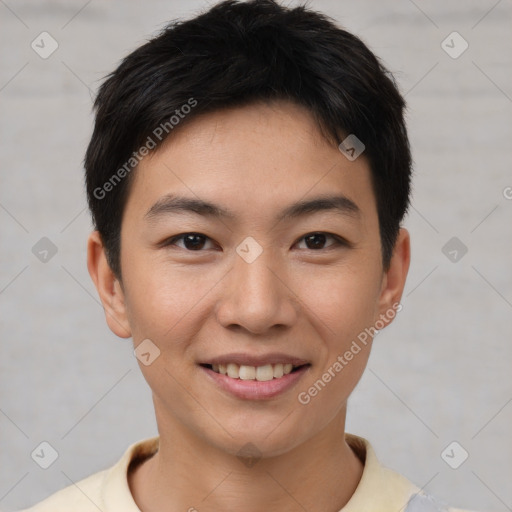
257 296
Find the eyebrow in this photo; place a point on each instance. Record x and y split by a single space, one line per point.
172 204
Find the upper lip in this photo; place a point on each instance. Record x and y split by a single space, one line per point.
255 360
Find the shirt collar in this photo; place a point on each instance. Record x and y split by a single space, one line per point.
379 487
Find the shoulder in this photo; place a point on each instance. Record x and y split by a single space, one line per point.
107 490
83 496
385 490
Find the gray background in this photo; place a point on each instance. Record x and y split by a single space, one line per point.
440 373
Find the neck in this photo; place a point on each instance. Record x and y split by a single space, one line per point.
186 473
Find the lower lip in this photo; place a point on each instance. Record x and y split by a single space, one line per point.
254 389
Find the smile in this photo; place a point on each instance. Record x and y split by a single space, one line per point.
260 373
255 378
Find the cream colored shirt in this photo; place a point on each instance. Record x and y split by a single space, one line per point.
379 490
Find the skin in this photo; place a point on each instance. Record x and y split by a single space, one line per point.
295 298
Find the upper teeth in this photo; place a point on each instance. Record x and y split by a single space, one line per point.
260 373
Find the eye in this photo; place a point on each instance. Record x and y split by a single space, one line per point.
191 241
316 241
196 241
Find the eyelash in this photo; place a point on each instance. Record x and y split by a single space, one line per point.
338 241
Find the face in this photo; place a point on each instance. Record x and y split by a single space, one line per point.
251 260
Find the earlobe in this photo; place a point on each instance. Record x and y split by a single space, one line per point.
108 286
393 282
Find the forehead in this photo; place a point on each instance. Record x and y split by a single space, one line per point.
250 159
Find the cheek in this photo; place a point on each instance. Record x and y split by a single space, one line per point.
344 306
159 299
345 301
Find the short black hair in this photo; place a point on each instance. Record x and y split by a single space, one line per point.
235 54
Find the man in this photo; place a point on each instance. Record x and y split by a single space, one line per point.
247 177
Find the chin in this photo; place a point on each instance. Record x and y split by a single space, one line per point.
260 438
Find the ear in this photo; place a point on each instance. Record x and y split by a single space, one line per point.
108 286
393 281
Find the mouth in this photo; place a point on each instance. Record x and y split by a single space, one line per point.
263 373
255 378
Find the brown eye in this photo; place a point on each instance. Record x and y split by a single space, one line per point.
191 241
317 241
